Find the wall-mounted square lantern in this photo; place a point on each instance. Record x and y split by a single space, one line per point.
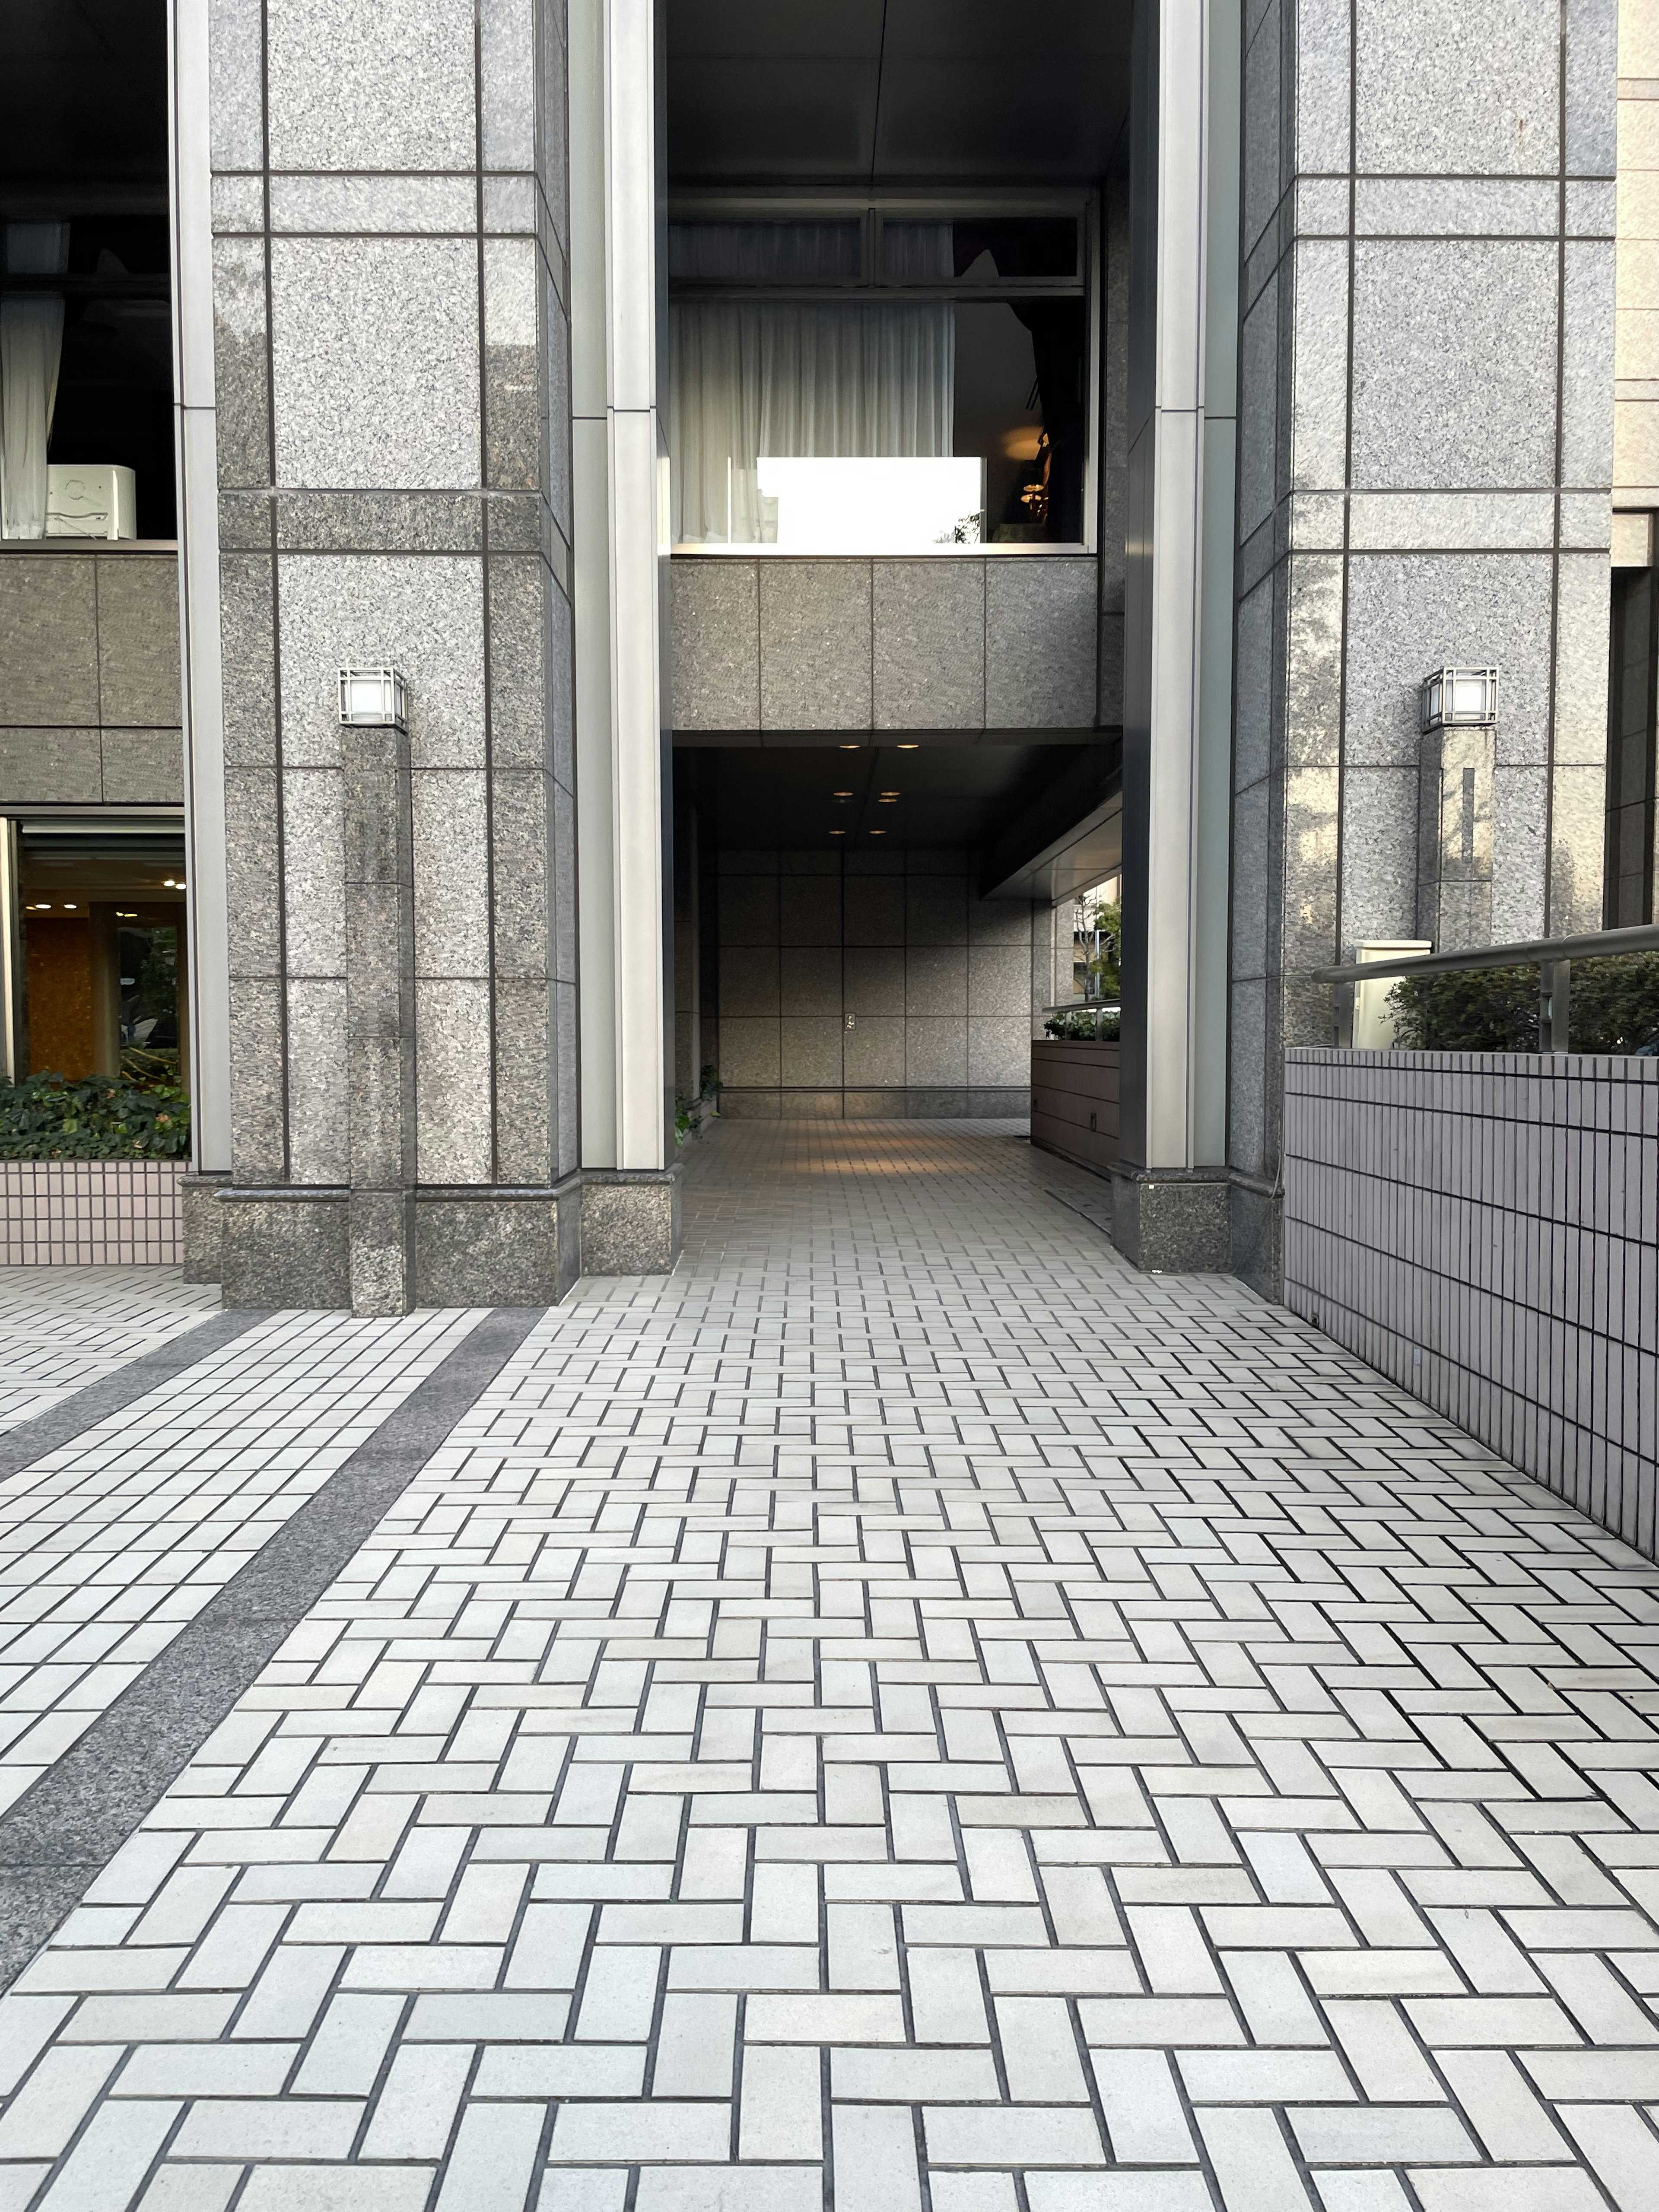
1460 698
372 699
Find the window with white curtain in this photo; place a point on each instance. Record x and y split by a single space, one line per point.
874 382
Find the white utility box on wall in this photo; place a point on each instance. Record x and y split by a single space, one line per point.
1373 1017
91 502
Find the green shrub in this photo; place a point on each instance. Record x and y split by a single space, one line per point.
1613 1007
49 1118
1079 1028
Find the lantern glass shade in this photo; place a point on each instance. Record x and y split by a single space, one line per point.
372 699
1460 698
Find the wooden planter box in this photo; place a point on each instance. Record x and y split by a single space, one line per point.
1074 1101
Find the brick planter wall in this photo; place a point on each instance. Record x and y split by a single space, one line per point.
1484 1228
89 1213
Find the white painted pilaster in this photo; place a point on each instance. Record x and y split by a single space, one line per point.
195 463
621 746
1178 643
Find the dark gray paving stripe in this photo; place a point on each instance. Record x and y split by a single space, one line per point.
61 1424
65 1829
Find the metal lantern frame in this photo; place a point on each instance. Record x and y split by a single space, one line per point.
373 699
1459 698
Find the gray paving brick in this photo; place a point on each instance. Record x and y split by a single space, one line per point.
854 1677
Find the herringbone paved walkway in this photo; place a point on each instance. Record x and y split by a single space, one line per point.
905 1713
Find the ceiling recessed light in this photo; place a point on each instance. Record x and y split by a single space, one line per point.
909 749
852 749
841 794
877 833
837 833
887 799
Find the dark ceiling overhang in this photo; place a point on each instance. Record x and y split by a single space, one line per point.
884 94
1030 811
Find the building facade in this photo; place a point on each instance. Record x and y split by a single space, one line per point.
833 485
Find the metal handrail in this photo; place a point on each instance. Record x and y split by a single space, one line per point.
1528 953
1553 957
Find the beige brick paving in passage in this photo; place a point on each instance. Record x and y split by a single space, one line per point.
904 1713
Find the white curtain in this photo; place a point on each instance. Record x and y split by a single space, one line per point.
31 348
851 379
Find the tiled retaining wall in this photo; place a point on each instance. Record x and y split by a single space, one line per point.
1482 1227
89 1213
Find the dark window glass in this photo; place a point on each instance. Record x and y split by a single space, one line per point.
763 252
982 249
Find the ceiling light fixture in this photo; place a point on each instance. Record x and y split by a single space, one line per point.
852 749
877 833
911 748
841 794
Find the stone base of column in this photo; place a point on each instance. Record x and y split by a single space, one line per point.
1256 1222
1171 1223
377 1252
383 1253
498 1248
285 1248
631 1220
200 1225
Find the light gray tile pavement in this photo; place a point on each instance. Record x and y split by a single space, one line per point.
904 1716
63 1327
110 1543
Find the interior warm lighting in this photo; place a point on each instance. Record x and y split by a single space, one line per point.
837 833
877 833
69 905
841 794
852 749
1021 445
911 748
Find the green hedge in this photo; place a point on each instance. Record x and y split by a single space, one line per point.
49 1118
1613 1007
1080 1028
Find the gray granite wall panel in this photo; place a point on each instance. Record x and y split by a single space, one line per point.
1473 90
873 984
1041 640
138 641
1454 399
374 347
961 643
89 690
48 641
241 361
1481 1228
371 84
814 645
51 767
928 651
143 768
716 645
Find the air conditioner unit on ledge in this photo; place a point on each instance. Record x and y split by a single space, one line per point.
91 502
